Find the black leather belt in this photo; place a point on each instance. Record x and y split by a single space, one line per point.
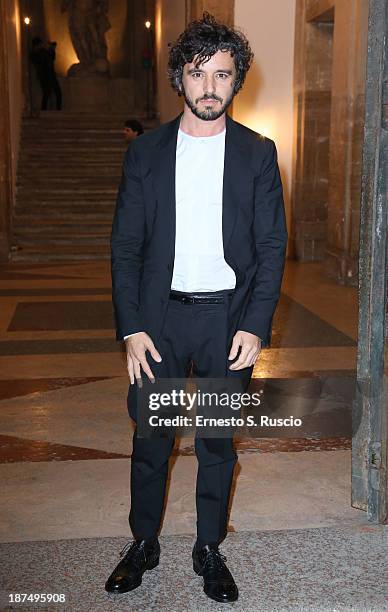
209 297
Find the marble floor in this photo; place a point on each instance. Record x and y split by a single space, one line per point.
65 440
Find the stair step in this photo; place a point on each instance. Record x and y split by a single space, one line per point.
91 140
59 240
64 205
45 226
94 183
90 192
46 118
57 132
80 175
64 212
111 155
67 254
71 167
72 153
63 237
46 217
70 196
69 172
53 163
73 130
37 257
74 147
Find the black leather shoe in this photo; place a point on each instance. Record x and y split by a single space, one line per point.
218 582
139 556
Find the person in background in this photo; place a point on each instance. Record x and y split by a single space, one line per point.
132 129
43 57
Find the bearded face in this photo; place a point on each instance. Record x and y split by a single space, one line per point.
208 88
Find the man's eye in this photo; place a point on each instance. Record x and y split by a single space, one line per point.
196 74
222 75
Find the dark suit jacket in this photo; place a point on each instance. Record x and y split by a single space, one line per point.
143 231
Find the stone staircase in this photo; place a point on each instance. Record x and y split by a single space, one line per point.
68 175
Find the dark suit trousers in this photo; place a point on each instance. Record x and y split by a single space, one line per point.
194 335
50 85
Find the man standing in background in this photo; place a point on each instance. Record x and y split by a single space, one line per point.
43 58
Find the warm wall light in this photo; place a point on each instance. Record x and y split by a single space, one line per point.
27 20
263 127
147 24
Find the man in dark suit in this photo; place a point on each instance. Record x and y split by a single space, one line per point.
198 251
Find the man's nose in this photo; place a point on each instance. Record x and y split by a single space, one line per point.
209 85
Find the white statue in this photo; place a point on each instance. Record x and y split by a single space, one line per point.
88 22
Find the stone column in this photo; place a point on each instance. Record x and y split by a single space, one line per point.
330 52
346 134
141 11
312 102
5 144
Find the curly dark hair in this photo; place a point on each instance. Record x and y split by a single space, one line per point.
203 38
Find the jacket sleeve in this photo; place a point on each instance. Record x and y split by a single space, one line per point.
127 245
271 240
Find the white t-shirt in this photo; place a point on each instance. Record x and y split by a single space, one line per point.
199 254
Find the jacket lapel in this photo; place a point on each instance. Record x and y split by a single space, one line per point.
236 171
163 176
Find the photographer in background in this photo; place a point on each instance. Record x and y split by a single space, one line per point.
43 58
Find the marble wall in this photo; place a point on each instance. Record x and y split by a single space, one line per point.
329 81
11 103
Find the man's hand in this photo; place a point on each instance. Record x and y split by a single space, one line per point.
136 346
250 350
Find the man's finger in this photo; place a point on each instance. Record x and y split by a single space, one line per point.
235 347
258 353
243 360
139 353
240 365
147 370
153 352
252 357
136 368
130 369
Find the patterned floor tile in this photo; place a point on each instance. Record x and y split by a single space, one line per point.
17 388
14 449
